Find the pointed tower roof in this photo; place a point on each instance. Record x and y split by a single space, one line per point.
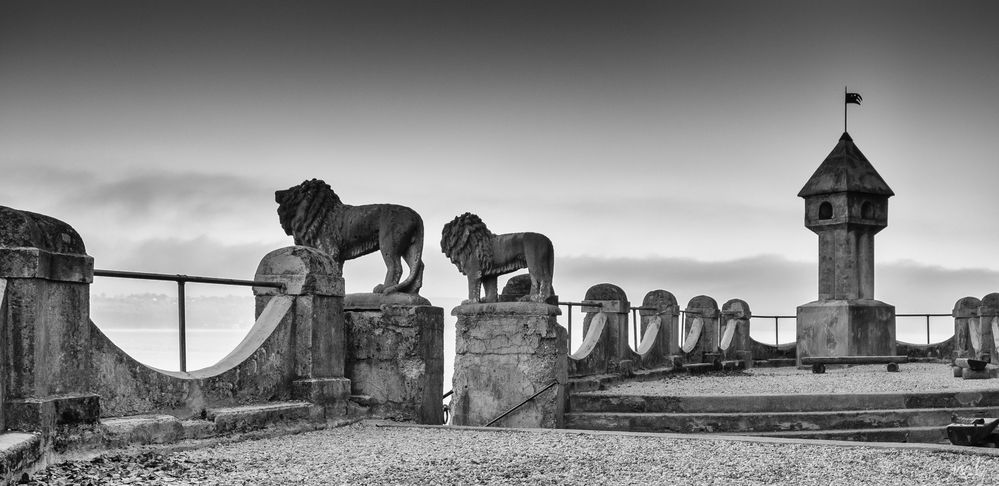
845 170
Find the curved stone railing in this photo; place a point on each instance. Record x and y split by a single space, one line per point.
57 359
280 358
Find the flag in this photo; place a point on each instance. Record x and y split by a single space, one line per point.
854 98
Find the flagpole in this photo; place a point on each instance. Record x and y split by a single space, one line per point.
844 109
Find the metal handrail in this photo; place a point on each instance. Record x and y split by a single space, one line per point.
181 296
532 397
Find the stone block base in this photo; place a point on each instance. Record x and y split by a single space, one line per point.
331 393
846 328
395 358
506 353
44 414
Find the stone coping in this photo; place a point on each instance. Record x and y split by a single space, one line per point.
507 308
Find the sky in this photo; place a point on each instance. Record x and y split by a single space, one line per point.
659 144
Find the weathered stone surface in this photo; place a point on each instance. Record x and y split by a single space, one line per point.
483 256
296 337
967 328
846 328
846 205
734 332
315 216
302 270
373 301
702 318
45 414
395 356
659 318
504 358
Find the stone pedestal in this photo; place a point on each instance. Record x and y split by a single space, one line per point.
506 353
395 357
44 320
846 328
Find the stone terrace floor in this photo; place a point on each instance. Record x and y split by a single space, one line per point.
911 378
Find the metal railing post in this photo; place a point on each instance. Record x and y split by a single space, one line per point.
634 327
927 329
569 327
776 331
182 324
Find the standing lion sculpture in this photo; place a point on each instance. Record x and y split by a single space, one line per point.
483 256
314 215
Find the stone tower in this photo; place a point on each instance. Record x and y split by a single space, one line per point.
846 204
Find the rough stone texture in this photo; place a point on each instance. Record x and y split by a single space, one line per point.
965 320
736 317
315 216
989 326
605 346
44 304
395 356
507 352
706 309
659 328
846 205
846 328
296 337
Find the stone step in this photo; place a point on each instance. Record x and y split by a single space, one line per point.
924 435
18 451
146 429
251 417
603 402
735 422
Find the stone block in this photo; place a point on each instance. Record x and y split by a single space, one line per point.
845 328
45 414
395 356
506 353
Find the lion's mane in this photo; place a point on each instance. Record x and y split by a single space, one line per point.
306 225
465 237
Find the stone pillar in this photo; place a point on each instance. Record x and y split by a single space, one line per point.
660 316
45 277
700 328
395 357
314 278
610 300
988 315
965 321
734 342
506 353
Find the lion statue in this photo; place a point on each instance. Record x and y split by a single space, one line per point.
483 256
314 215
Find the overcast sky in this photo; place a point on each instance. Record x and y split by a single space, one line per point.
658 144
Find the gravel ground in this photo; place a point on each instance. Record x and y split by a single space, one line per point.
911 377
366 454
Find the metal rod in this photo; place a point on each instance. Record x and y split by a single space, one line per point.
634 327
449 393
185 278
569 328
776 331
508 412
182 325
927 329
583 304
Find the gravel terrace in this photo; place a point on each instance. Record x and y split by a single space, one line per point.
911 377
366 454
